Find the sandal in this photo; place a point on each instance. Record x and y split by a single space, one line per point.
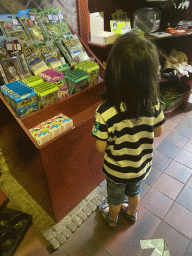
131 218
102 206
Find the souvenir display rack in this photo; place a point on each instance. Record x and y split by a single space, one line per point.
62 172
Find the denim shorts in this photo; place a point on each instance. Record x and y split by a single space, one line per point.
117 191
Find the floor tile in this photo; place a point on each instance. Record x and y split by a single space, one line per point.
176 118
185 198
84 242
189 250
157 140
96 225
160 161
146 223
181 219
153 176
188 114
189 183
176 139
125 243
168 149
178 171
169 125
184 157
187 122
40 251
144 188
183 130
156 202
168 186
30 246
188 146
176 242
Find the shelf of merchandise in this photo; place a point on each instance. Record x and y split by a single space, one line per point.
62 172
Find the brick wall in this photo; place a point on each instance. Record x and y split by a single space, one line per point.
68 8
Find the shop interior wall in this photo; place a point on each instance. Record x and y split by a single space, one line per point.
68 8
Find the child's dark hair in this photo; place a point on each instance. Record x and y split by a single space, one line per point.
131 75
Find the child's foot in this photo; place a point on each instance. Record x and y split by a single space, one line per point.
129 215
104 209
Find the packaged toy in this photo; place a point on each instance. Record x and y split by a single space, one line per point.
53 127
52 23
92 68
11 70
51 54
22 98
12 27
63 49
40 134
77 80
74 46
65 122
29 22
10 47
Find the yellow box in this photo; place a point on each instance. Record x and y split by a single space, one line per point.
120 27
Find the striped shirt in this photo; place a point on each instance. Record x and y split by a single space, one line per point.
128 157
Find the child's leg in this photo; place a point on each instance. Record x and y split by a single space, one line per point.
115 198
114 211
133 203
133 191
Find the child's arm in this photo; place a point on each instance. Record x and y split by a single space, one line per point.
101 145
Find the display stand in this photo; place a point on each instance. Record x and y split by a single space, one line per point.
62 172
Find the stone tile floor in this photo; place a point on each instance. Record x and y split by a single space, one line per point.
164 212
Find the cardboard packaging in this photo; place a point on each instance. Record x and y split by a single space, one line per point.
120 27
98 35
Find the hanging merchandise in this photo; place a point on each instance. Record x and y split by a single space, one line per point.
29 22
74 47
52 23
12 27
9 48
51 54
34 57
10 70
61 45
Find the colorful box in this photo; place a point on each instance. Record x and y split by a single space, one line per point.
40 134
77 80
65 122
92 68
53 127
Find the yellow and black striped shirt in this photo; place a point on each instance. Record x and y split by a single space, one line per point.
128 157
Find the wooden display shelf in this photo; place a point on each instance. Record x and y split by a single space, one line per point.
62 172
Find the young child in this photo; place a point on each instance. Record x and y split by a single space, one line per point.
127 122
